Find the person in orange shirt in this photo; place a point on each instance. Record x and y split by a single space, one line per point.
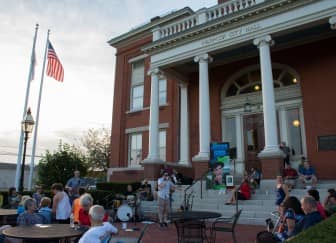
76 205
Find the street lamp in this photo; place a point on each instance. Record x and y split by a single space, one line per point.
27 127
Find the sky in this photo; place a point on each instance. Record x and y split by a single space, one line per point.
79 31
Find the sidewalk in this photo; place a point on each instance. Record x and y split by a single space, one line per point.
155 234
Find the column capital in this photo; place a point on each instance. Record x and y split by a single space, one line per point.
156 71
332 22
263 40
182 84
203 58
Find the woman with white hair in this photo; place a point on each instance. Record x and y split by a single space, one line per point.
86 202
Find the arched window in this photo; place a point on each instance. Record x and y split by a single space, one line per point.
249 80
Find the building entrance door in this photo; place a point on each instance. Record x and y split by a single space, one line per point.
254 139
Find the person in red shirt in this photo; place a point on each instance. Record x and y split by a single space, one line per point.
289 175
86 202
243 193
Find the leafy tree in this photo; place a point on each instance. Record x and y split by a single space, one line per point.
59 165
96 144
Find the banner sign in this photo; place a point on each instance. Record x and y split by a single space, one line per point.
219 165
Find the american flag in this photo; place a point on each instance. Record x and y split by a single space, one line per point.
54 68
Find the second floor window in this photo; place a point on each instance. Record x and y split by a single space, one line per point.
162 91
137 85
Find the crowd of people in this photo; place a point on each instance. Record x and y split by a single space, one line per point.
63 206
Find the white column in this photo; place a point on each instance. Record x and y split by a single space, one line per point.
204 108
332 22
239 137
153 153
240 166
184 125
283 125
303 132
270 122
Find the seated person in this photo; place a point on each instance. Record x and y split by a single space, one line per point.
316 195
98 230
289 176
38 195
13 198
290 213
20 209
130 196
312 216
29 216
330 202
244 193
307 174
86 202
146 191
254 177
282 192
45 210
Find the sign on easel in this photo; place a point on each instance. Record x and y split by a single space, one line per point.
219 164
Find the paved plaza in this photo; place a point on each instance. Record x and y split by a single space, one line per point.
244 233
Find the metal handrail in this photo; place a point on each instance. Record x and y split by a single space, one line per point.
192 184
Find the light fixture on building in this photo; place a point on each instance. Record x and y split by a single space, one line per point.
294 81
296 123
256 87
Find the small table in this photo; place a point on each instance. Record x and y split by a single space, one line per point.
43 232
6 214
194 215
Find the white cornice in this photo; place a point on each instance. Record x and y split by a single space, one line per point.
149 26
316 11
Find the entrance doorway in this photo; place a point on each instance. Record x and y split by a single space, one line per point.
254 140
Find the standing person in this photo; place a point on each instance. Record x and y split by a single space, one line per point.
74 184
38 195
165 185
286 150
76 205
61 207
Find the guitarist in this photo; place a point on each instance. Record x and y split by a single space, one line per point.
74 184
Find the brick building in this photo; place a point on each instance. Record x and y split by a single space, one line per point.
248 72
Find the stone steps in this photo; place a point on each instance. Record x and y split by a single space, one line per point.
255 211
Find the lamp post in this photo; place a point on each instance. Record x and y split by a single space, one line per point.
27 127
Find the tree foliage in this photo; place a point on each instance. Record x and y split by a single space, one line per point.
97 151
59 165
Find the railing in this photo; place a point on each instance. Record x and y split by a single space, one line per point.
190 196
204 15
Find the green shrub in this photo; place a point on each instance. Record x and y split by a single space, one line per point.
117 187
323 232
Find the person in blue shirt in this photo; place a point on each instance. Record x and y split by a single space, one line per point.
312 216
307 174
45 210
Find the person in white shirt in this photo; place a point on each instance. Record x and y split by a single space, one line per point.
99 230
165 186
61 207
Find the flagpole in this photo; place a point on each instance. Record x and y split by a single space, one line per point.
32 161
30 78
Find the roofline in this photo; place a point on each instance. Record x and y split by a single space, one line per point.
150 25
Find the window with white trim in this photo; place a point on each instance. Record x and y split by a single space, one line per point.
137 85
162 142
135 150
162 91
